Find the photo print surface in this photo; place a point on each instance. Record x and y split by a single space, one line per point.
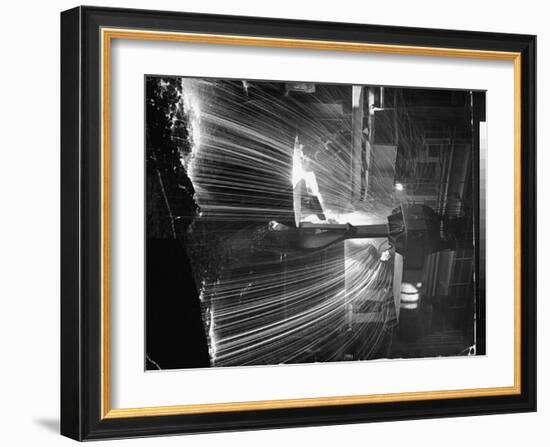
296 222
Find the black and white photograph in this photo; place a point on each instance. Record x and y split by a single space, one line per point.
299 222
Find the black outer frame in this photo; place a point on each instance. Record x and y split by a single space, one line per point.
80 223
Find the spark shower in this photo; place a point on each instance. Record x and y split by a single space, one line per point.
298 222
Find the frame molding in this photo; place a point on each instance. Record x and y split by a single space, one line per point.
86 36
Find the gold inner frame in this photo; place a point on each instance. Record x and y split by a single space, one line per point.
107 35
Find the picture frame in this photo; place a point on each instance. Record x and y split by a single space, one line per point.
87 36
